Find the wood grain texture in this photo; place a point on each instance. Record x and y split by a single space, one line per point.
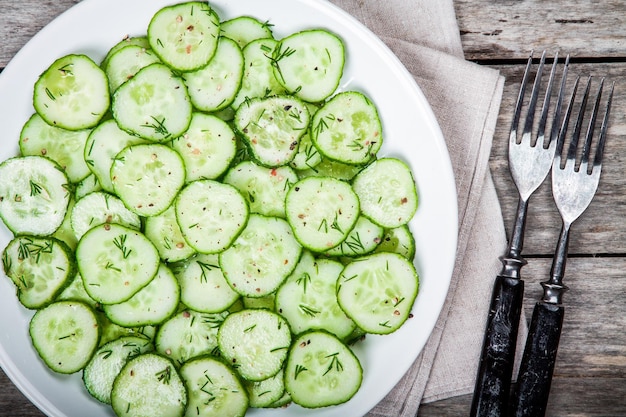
508 29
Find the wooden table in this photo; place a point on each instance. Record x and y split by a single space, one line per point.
590 374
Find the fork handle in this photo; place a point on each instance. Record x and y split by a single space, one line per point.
530 396
493 382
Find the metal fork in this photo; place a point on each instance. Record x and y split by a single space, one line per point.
529 161
573 188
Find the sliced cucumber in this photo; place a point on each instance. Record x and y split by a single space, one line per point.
272 128
148 385
347 129
124 63
189 335
321 211
321 371
362 239
215 86
164 232
147 177
264 393
75 291
258 78
398 240
309 64
185 35
154 104
210 214
214 389
387 192
99 208
151 305
329 168
40 268
255 343
261 257
141 41
104 143
86 186
202 283
115 262
65 334
61 145
245 29
264 188
308 298
34 195
72 93
377 291
207 147
107 362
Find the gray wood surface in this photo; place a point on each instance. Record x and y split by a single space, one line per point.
590 375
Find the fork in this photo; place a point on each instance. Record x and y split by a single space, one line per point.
529 161
573 188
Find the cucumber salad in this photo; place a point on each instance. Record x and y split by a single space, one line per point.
202 223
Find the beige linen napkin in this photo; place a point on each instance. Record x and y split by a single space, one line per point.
465 98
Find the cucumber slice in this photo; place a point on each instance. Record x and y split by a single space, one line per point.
255 343
88 185
149 385
164 232
329 168
377 291
185 35
261 257
99 208
147 177
151 305
272 127
347 129
215 86
210 214
107 362
115 262
264 393
258 79
387 192
124 63
364 237
398 240
245 29
264 188
65 335
61 145
40 268
104 143
308 298
72 93
189 335
34 195
309 64
214 389
321 211
154 104
321 371
141 41
207 147
203 286
75 291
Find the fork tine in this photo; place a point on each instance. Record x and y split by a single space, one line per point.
559 104
520 100
530 117
565 124
584 162
597 162
573 146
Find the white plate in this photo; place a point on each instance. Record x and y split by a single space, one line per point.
410 131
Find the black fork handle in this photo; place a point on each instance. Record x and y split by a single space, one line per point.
530 397
493 382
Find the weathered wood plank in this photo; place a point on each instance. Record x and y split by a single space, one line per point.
20 20
510 28
601 229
